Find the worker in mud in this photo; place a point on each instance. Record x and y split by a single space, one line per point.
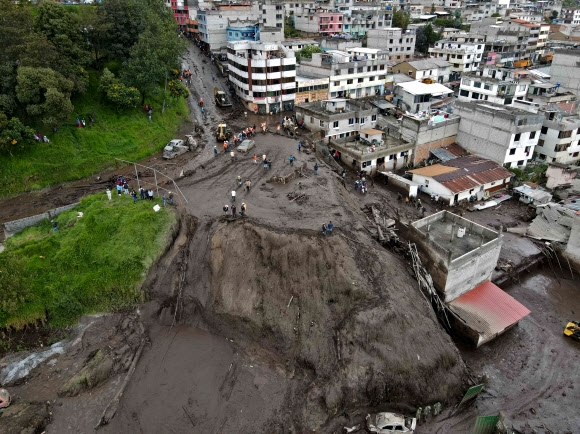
255 159
201 102
225 146
291 159
233 195
234 211
316 168
215 151
232 156
239 180
226 209
243 210
278 129
407 200
324 228
248 185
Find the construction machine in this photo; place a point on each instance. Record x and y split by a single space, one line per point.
222 133
220 98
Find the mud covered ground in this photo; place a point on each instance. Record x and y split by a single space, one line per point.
263 324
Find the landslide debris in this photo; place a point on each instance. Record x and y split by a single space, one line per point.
346 312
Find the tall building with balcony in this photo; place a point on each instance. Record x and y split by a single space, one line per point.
180 10
464 51
497 85
398 42
570 15
506 41
354 73
325 23
507 135
263 75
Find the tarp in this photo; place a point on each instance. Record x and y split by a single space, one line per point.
471 393
485 424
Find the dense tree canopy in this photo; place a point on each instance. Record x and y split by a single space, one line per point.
45 58
307 51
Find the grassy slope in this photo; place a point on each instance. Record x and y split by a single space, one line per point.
92 264
75 153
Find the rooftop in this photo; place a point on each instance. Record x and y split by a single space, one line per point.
428 63
443 227
488 310
419 88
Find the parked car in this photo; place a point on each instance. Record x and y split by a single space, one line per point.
177 147
246 145
387 423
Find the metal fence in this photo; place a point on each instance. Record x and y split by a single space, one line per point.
159 178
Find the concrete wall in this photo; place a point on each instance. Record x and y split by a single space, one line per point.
564 70
573 246
15 226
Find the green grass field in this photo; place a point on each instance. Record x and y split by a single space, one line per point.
75 153
95 263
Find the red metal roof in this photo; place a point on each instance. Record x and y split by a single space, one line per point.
491 175
488 310
457 185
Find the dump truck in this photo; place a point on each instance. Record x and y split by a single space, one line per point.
220 98
177 147
222 133
522 63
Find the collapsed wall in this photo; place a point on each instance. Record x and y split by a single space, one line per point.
344 311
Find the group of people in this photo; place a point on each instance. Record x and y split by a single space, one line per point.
327 227
186 75
40 138
122 186
243 209
81 123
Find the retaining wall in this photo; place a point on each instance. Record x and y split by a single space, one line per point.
10 228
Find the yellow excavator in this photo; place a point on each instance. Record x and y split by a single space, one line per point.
572 330
221 98
222 133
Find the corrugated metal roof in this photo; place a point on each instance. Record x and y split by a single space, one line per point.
443 154
553 223
456 150
488 310
434 170
485 424
459 184
491 175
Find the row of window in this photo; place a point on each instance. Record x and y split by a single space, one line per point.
351 121
561 134
359 70
260 70
311 88
359 80
272 82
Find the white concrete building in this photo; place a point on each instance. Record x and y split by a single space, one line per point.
464 51
337 118
355 73
427 70
559 137
497 85
503 134
263 75
416 97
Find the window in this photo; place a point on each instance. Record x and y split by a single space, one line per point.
544 130
464 93
477 84
541 142
564 134
517 137
512 151
533 135
351 121
527 150
374 117
337 83
349 81
521 163
335 124
321 123
278 16
522 122
360 80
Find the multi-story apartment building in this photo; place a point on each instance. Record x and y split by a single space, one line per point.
356 72
359 22
325 23
213 21
398 42
263 75
559 136
506 42
416 97
464 51
477 10
507 135
180 10
497 85
337 118
570 15
537 39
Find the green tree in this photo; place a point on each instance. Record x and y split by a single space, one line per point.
425 36
307 51
400 19
177 89
45 94
13 135
63 31
432 8
554 15
116 92
123 21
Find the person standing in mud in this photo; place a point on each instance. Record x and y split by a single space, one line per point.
243 210
233 195
248 185
225 209
234 211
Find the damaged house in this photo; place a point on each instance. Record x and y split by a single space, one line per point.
461 256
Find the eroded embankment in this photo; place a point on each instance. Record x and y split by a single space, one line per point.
349 314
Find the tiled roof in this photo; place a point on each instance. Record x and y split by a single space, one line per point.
488 310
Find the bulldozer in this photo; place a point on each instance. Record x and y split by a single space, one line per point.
220 98
222 133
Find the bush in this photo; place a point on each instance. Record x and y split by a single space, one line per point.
116 92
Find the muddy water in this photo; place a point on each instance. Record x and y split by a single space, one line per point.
533 369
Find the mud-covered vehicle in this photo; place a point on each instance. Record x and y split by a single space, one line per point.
390 423
177 147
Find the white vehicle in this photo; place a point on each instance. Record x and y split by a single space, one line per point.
246 145
390 423
177 147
